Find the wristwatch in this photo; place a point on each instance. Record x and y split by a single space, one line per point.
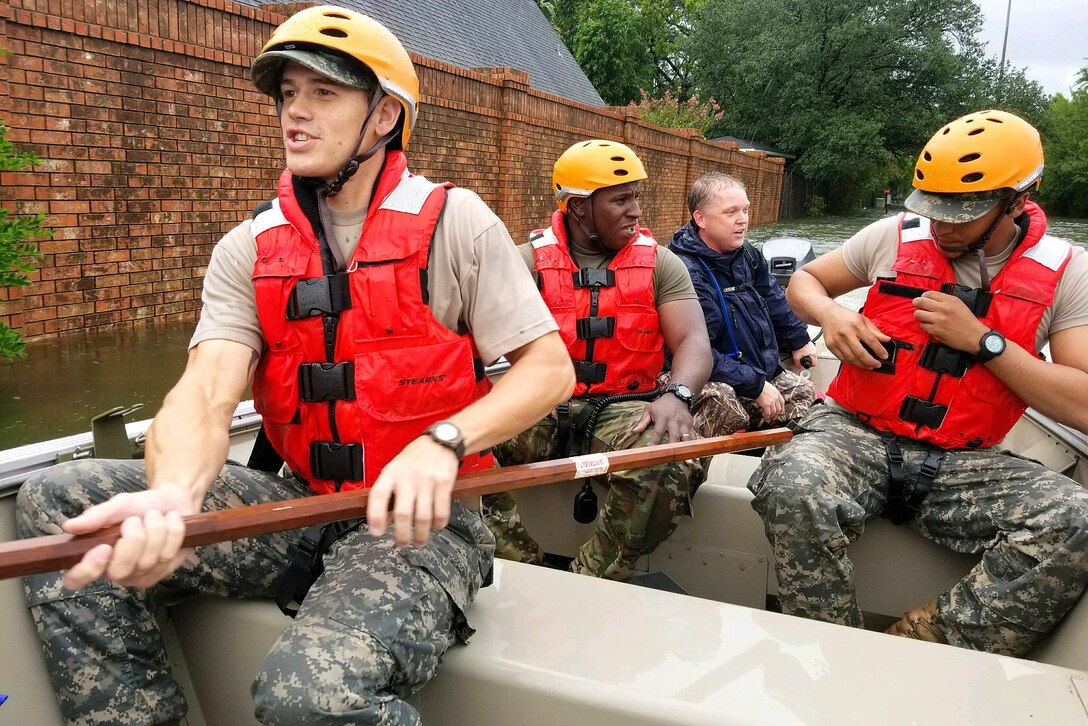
682 392
990 345
446 433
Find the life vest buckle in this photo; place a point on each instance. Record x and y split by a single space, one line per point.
976 299
317 295
332 461
326 381
922 412
594 277
596 327
589 372
943 359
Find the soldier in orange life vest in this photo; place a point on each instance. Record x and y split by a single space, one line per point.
619 299
362 302
966 289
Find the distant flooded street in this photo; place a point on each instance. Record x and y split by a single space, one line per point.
63 383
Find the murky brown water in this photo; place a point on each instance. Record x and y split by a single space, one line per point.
63 383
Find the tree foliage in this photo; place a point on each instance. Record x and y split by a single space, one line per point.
626 46
852 88
16 248
1065 141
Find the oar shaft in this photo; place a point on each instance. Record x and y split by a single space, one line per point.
59 551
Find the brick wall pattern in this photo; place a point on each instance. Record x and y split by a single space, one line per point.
154 143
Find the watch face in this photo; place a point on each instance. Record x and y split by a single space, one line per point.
993 343
446 431
684 391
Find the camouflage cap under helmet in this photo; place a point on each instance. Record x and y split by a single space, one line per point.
334 41
974 163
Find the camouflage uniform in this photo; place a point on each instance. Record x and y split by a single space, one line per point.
719 411
641 509
1028 523
373 627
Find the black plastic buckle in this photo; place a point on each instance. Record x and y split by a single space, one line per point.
920 411
931 466
336 462
326 381
596 327
316 295
309 544
589 372
976 299
887 366
594 276
940 358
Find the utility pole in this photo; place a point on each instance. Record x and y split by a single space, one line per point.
1004 44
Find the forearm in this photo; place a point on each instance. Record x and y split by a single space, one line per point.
1054 390
808 298
692 363
189 438
541 377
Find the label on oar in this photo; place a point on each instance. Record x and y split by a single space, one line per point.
589 465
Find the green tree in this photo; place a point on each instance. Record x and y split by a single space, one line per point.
1065 140
852 88
16 248
608 40
627 45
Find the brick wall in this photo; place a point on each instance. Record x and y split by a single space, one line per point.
154 143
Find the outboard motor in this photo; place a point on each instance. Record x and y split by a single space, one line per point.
785 255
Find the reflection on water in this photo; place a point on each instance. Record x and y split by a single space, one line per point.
62 384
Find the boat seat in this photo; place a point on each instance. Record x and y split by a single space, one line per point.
557 648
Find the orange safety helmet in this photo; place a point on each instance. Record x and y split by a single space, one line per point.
308 36
591 165
974 162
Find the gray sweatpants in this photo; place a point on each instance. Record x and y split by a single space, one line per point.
372 630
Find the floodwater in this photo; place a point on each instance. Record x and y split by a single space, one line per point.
63 383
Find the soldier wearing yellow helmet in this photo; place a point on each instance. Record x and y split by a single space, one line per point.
937 367
630 298
361 302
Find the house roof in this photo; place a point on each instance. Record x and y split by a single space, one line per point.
749 145
482 34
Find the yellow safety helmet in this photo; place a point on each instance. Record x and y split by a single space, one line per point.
307 38
973 163
591 165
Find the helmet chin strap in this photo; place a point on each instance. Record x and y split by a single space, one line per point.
980 254
591 234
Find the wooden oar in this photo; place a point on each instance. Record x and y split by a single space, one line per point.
58 551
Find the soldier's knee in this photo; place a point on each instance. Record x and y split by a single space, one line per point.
45 499
334 703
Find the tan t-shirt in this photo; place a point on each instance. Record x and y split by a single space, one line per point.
473 276
671 278
870 254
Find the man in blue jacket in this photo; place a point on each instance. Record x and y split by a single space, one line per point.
747 317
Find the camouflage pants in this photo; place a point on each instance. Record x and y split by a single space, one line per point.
719 411
641 509
372 630
816 493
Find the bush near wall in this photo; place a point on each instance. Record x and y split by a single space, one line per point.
154 144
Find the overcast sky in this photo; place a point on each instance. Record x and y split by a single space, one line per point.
1046 38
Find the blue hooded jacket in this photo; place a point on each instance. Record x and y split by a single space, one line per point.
745 341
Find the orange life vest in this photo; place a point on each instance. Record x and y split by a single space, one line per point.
934 393
607 316
356 365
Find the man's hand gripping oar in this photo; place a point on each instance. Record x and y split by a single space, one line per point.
56 552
